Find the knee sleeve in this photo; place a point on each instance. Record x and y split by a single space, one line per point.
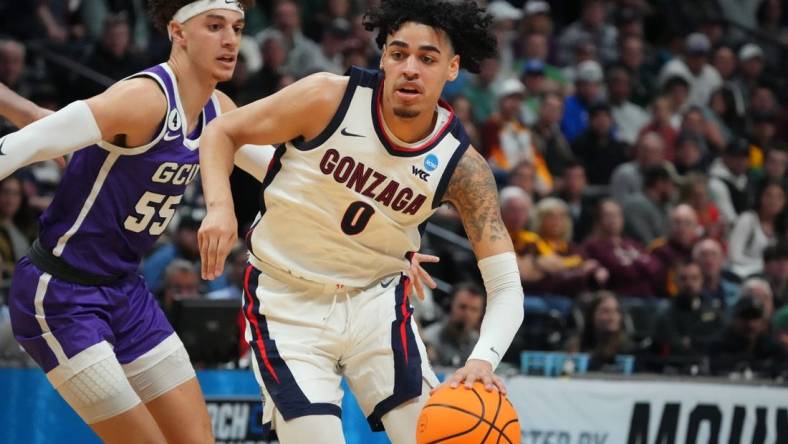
99 391
160 370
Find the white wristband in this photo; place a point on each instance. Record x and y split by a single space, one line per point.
504 312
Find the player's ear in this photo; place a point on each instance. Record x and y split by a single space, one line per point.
454 67
175 30
382 54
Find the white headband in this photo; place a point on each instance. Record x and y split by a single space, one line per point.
200 6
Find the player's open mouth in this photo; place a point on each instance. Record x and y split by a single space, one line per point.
408 93
227 59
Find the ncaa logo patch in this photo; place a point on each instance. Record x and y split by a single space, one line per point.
174 121
431 162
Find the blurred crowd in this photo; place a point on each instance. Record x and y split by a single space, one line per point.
640 146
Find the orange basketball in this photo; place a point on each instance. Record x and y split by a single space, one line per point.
468 416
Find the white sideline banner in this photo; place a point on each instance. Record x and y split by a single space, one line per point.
567 411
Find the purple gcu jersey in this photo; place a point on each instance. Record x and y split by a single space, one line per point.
78 291
113 203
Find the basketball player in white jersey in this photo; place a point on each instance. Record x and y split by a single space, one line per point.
363 161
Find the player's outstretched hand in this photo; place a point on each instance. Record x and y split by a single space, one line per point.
417 274
216 237
475 370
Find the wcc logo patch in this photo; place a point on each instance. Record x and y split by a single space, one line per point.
430 164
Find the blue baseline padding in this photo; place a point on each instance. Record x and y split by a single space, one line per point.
32 412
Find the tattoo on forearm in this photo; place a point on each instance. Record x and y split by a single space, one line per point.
473 192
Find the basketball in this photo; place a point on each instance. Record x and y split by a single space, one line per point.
468 416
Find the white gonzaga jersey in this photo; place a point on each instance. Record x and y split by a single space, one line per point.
349 206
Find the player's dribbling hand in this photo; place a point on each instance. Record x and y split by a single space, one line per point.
417 274
216 237
475 370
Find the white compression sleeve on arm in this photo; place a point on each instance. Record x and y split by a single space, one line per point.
63 132
254 159
504 307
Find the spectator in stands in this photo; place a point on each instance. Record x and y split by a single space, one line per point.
480 90
724 61
628 117
451 341
775 271
300 49
590 28
573 192
15 225
695 193
632 58
774 169
604 336
724 112
523 175
464 112
690 154
332 43
728 182
552 239
548 138
772 16
676 90
694 122
762 136
694 67
746 343
763 102
755 230
12 68
273 49
181 281
94 13
597 149
718 290
691 323
627 178
537 17
661 124
588 79
646 212
675 248
630 267
183 246
322 19
537 49
506 141
759 289
113 55
516 206
751 65
534 80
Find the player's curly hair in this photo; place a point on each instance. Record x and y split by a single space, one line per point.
466 24
162 11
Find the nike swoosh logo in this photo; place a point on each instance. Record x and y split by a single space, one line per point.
387 283
346 133
2 141
171 136
492 349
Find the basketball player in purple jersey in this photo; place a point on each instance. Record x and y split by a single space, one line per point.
363 162
77 304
